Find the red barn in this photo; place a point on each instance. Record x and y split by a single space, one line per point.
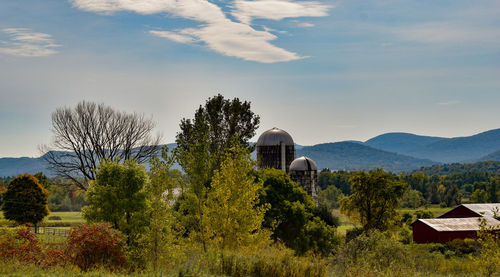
473 210
442 230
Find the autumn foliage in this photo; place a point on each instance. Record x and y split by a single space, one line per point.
96 245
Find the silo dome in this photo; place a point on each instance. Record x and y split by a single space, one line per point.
274 137
304 172
303 164
275 149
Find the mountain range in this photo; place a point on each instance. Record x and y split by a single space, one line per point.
394 152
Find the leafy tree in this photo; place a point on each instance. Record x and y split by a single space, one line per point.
412 199
374 199
89 133
215 127
479 196
293 217
25 200
493 189
452 196
161 234
291 207
232 217
330 197
117 196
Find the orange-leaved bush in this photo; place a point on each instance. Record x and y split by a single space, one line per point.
96 245
19 245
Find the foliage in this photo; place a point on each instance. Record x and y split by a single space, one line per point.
95 245
160 238
292 215
373 251
19 244
412 199
374 199
86 135
117 196
25 200
488 261
424 214
290 206
339 179
215 127
324 213
479 196
232 218
330 197
490 167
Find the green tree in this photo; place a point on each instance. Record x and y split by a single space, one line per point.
214 128
493 189
161 235
479 196
412 199
330 197
117 196
231 215
25 200
374 199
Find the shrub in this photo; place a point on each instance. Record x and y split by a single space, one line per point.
54 217
463 247
96 245
373 251
19 245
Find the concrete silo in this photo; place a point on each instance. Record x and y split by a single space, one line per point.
304 172
275 149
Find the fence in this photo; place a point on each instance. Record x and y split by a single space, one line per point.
52 231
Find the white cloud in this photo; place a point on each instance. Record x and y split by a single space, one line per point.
448 32
177 37
26 43
448 103
245 11
217 31
305 25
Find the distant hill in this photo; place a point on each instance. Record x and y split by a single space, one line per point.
355 156
16 166
403 143
495 156
492 167
446 150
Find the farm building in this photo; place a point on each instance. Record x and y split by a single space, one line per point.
473 210
442 230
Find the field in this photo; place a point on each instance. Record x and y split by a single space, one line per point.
70 219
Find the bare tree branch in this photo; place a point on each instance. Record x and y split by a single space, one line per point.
90 132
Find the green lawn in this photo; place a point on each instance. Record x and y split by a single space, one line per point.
69 218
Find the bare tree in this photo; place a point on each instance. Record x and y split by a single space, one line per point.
90 132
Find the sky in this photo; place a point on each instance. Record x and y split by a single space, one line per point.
323 70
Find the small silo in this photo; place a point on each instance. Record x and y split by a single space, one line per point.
304 172
275 149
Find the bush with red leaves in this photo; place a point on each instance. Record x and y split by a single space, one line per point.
96 245
21 245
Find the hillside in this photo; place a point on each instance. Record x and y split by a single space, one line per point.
403 143
446 150
495 156
355 156
492 167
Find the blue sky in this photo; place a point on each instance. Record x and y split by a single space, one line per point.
322 70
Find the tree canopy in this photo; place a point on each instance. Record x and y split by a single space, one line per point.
117 196
374 199
25 200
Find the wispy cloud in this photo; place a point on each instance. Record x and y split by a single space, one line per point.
218 32
24 42
448 103
305 25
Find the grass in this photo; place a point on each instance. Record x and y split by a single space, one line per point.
346 224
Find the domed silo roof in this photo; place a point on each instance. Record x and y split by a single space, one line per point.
303 164
274 137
